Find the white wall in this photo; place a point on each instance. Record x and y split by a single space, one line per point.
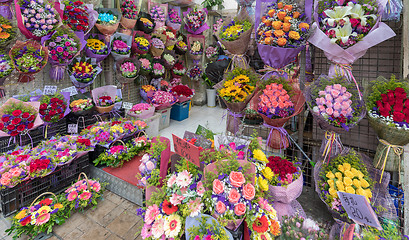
228 4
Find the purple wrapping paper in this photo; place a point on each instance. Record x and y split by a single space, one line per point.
99 58
203 28
5 11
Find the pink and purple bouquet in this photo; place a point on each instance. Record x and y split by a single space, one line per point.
129 9
157 14
275 101
84 193
142 110
119 46
146 65
13 174
128 69
158 69
162 99
173 21
195 20
212 52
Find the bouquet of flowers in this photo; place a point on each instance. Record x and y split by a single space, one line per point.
262 220
13 174
6 67
346 30
127 69
121 46
276 111
173 21
157 47
117 155
145 23
78 16
83 193
146 65
41 166
150 173
169 59
297 227
97 47
145 89
181 47
196 47
58 150
36 18
54 108
195 20
83 72
142 110
182 93
129 10
39 217
158 15
141 42
212 52
236 91
104 98
161 99
281 34
81 145
170 39
205 227
63 46
108 21
229 191
82 106
178 69
194 73
158 70
337 106
387 105
8 32
29 58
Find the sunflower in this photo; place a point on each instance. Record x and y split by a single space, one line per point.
241 79
261 224
168 207
233 90
173 224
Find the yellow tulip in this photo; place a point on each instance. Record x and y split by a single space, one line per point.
341 168
349 174
263 184
330 175
354 171
338 175
360 191
357 183
339 184
347 166
347 181
350 190
330 183
364 183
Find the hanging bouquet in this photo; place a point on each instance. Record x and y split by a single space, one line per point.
78 16
142 110
169 59
29 58
129 10
39 217
194 73
146 65
205 227
281 34
212 52
83 193
13 174
196 49
173 21
178 70
262 220
53 108
182 93
181 47
8 32
235 29
387 105
161 99
97 47
129 67
195 20
36 18
83 72
346 30
108 21
141 42
170 39
157 47
276 111
104 98
145 23
41 166
121 46
6 67
63 46
117 155
196 45
145 89
158 70
158 15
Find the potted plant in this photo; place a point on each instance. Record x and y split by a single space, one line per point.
252 117
212 4
210 91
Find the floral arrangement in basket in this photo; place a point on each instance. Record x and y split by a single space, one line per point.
205 227
142 110
142 42
194 73
262 220
81 105
195 20
105 101
53 108
234 29
104 98
181 47
41 165
17 117
212 52
78 16
162 99
39 217
36 18
8 32
297 227
13 173
83 193
97 47
120 46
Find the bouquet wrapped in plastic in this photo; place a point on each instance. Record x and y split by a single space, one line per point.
53 108
161 99
145 89
182 93
97 47
178 70
195 20
174 21
108 21
194 73
169 59
158 13
180 47
145 23
78 16
196 45
127 70
104 98
142 111
120 46
129 10
83 72
141 42
157 47
171 38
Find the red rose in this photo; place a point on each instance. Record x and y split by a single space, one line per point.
43 106
30 125
398 116
59 111
26 115
77 10
47 118
31 118
400 95
61 115
391 98
237 179
54 105
78 3
46 201
11 127
384 98
73 21
16 121
405 111
64 17
1 126
14 133
87 142
5 119
21 128
16 113
52 113
379 103
398 106
42 112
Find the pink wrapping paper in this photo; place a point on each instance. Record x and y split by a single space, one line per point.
164 157
109 90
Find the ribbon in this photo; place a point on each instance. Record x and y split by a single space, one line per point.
237 58
283 134
268 70
83 121
26 132
346 70
55 72
398 150
235 116
331 137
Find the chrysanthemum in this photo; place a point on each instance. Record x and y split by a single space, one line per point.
158 228
171 180
172 227
168 207
184 179
151 213
40 220
195 207
146 231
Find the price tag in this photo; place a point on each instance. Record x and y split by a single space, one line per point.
49 90
359 209
127 105
72 90
72 128
186 150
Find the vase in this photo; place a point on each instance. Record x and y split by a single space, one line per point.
211 97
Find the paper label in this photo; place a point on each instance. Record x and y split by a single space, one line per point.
127 105
186 150
72 90
49 90
72 128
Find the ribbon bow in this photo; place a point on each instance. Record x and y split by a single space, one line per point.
268 70
283 134
398 150
331 137
235 116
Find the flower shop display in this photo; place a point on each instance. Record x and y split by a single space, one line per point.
54 107
104 98
121 46
141 42
36 18
297 227
83 72
181 47
169 59
346 30
206 227
173 20
63 45
157 47
158 14
145 23
29 58
194 73
387 108
182 93
195 20
81 107
337 106
141 110
158 69
281 33
78 16
8 32
161 99
108 21
178 69
212 52
6 67
129 10
277 103
144 91
236 91
97 47
196 45
262 220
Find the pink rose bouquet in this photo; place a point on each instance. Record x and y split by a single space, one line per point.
84 193
161 99
142 110
12 175
158 70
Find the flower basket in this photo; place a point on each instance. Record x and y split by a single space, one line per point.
110 91
125 80
145 114
142 23
135 47
108 29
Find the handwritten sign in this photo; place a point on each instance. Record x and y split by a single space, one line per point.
127 105
72 128
72 90
186 150
49 90
359 209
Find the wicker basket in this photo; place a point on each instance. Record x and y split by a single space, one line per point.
104 109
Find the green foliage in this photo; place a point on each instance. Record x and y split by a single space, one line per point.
10 108
254 143
208 156
210 3
155 178
157 148
390 231
204 132
218 232
157 197
183 164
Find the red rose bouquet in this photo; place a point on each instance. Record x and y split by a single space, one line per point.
54 108
104 98
41 166
82 144
78 16
182 93
178 69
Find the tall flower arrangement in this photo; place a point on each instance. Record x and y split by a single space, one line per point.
130 11
174 21
195 20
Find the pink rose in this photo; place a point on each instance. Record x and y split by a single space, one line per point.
345 113
6 175
321 108
337 106
321 93
16 172
328 97
237 179
337 87
220 207
4 181
328 89
329 111
240 209
249 191
200 188
336 113
335 93
328 104
348 94
343 89
234 196
345 106
349 110
218 186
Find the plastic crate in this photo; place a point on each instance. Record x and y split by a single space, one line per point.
153 125
180 111
59 127
164 119
13 199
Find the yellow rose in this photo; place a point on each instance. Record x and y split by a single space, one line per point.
263 184
347 181
267 173
333 192
354 171
364 183
338 175
357 183
350 190
347 166
330 175
360 191
368 193
339 184
259 155
341 168
330 183
349 174
360 174
21 214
